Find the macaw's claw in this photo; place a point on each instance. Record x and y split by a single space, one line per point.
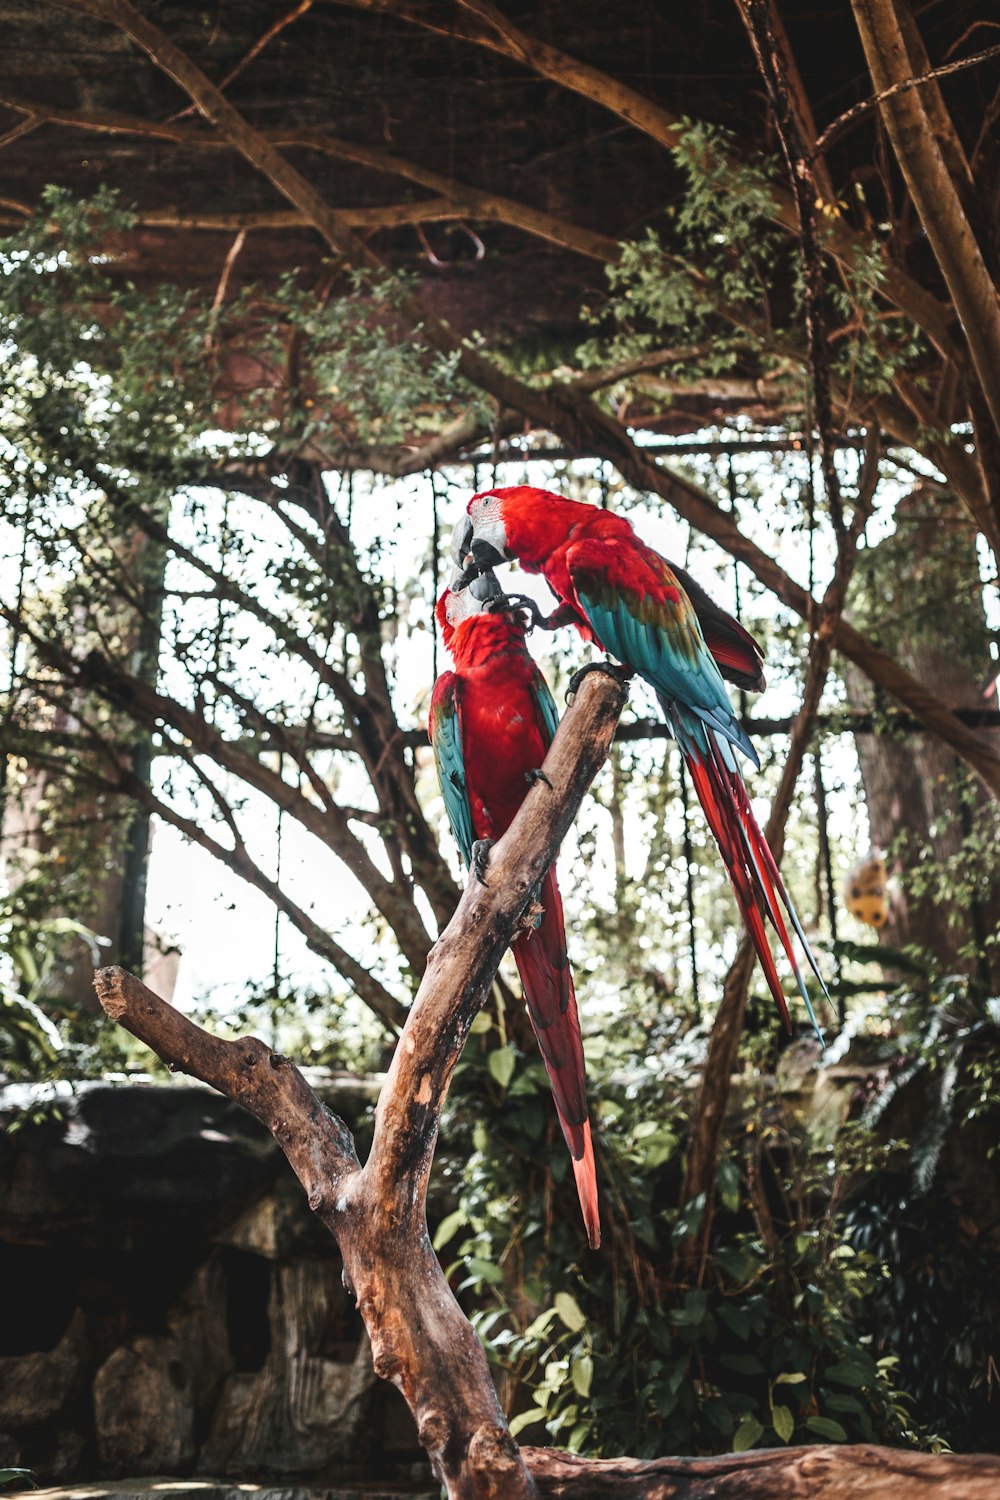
518 602
534 776
622 675
480 858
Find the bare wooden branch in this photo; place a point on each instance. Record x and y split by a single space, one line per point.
934 193
453 199
420 1338
856 1472
275 28
839 125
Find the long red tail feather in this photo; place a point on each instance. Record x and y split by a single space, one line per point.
737 833
542 962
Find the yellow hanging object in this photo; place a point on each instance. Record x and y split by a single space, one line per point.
865 891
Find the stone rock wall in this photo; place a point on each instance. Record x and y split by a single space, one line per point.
170 1305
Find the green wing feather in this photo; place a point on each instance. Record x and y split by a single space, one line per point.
548 714
449 757
649 623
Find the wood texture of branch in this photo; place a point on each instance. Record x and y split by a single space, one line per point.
420 1338
934 193
856 1472
454 199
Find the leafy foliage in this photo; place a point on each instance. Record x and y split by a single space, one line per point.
785 1333
721 286
619 1356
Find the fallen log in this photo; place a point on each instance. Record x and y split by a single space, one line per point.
857 1472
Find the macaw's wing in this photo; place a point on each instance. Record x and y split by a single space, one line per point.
641 614
545 708
449 757
737 655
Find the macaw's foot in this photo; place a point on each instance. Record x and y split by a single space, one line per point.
481 858
622 675
535 775
518 602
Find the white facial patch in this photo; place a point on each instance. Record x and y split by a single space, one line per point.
461 606
487 522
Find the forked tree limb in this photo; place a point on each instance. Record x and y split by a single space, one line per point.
420 1338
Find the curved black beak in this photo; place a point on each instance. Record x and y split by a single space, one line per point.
481 557
486 588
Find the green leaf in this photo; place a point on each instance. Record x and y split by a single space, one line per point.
692 1314
727 1179
828 1428
578 1437
538 1325
501 1065
743 1364
583 1374
783 1422
526 1419
746 1434
483 1271
736 1319
449 1227
849 1373
849 1404
481 1024
790 1377
570 1312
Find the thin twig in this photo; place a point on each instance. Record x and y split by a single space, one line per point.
837 126
255 51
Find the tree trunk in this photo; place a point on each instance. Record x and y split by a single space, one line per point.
923 602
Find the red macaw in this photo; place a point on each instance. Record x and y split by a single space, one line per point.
636 606
491 722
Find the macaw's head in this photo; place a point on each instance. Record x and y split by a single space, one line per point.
514 521
458 605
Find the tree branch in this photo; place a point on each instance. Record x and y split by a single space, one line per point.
934 193
420 1338
856 1472
454 199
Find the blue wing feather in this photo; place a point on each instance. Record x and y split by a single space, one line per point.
449 757
548 714
683 673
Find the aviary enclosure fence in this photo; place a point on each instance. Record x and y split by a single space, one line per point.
87 662
377 1213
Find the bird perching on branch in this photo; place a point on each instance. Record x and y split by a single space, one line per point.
636 606
492 720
